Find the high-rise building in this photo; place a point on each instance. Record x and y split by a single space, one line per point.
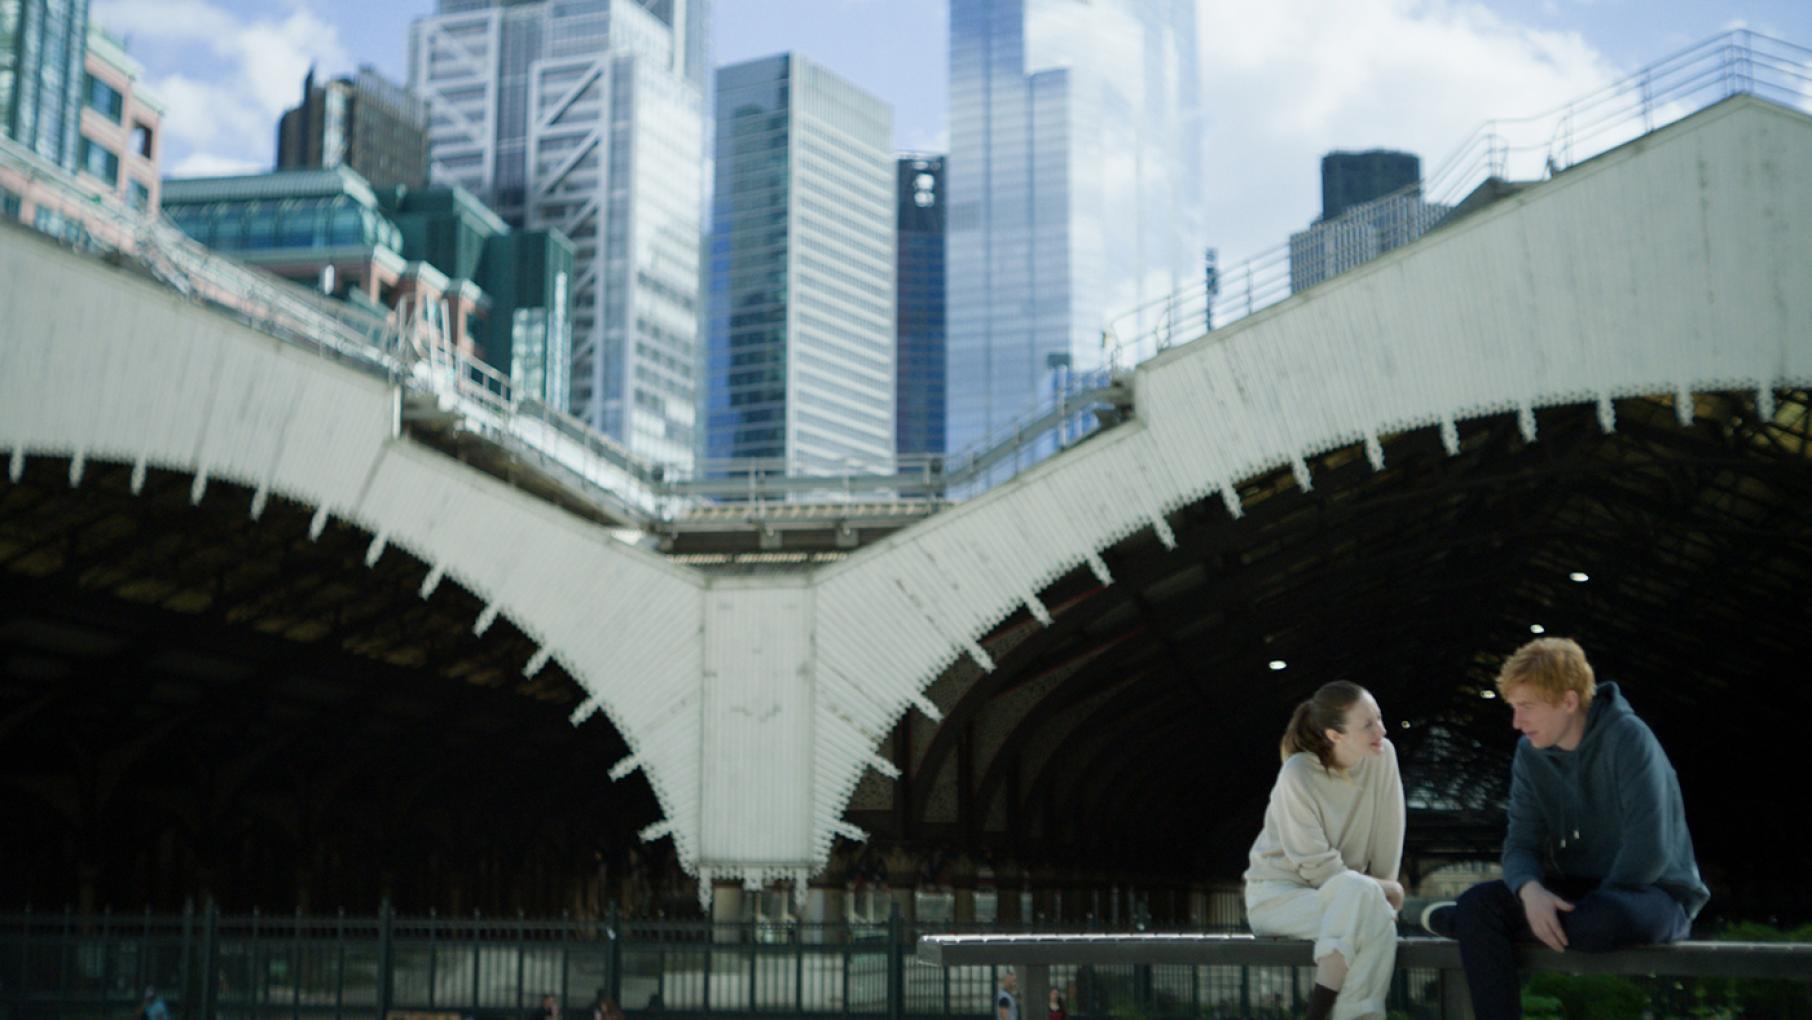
919 306
1075 189
42 79
801 362
120 125
505 293
1370 204
1353 178
585 116
368 123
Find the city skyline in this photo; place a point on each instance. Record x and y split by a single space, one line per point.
1284 84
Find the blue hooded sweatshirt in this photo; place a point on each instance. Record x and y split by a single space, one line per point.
1608 810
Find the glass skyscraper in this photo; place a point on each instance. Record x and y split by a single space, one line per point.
801 363
585 116
919 306
42 82
1075 189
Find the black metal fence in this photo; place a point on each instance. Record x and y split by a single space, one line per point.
64 966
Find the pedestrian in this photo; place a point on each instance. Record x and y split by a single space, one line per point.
1056 1010
549 1009
1325 865
1006 1004
1597 855
152 1006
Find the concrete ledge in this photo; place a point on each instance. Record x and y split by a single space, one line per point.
1789 960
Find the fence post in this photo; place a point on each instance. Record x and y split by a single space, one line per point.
613 977
896 963
210 949
385 961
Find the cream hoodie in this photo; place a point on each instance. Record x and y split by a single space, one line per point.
1321 823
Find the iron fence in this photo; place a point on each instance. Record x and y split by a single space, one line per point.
206 964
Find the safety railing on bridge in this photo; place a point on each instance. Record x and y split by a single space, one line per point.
409 345
1497 156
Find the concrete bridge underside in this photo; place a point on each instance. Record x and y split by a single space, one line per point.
1384 475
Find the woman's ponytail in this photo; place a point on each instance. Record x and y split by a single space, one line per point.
1313 718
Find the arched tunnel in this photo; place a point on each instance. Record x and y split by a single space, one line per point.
196 703
1135 738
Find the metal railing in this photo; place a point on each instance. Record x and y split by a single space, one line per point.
1499 152
207 964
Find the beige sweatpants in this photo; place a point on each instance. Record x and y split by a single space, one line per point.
1347 915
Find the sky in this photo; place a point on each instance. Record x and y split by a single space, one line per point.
1284 80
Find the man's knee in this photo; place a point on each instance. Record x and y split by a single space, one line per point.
1613 919
1481 909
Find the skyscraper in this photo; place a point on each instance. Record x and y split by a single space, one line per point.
42 44
801 362
585 116
1075 189
372 125
919 306
1369 204
1353 178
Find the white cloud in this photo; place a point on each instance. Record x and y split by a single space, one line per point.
1289 80
226 119
203 164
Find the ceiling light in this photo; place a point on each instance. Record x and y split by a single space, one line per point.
1405 724
1487 695
1277 664
1578 577
1536 628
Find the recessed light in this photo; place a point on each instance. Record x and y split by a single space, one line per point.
1579 577
1277 664
1536 628
1487 695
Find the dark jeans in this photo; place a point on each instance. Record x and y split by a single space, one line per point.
1490 921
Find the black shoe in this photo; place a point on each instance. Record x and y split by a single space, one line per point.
1437 918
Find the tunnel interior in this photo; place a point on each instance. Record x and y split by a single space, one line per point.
1135 738
198 704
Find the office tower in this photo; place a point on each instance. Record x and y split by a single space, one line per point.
579 115
42 81
505 293
1352 178
372 125
1074 185
919 306
1370 205
121 140
801 353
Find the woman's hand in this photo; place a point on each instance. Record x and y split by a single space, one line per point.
1393 891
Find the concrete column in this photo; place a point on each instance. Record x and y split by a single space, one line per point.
824 910
1007 879
962 890
903 880
728 911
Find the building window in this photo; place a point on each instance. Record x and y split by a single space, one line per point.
103 98
97 161
138 196
141 140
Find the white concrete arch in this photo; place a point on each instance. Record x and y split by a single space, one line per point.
97 364
1679 262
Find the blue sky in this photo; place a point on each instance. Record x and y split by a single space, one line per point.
1285 80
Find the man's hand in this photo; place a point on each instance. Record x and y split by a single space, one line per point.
1540 906
1393 891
